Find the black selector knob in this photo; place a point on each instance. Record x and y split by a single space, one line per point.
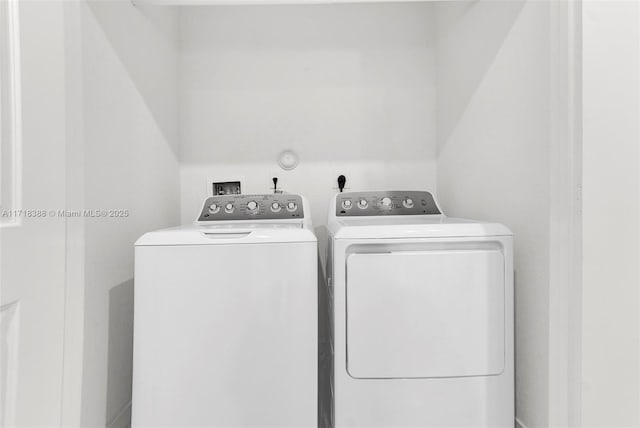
342 180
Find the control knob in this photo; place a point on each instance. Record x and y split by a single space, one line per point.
347 204
363 204
275 207
407 203
292 206
214 208
228 208
253 206
385 202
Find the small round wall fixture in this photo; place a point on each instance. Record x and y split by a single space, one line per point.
288 160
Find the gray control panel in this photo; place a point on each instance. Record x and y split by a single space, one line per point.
359 204
252 207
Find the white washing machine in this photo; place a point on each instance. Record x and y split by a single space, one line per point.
422 315
225 325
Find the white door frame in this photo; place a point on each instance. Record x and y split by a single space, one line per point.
74 297
10 195
565 288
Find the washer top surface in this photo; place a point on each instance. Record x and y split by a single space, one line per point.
241 219
400 214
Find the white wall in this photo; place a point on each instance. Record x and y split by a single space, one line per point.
349 87
611 212
493 156
129 161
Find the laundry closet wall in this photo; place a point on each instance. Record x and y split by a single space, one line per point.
494 136
350 88
123 78
611 227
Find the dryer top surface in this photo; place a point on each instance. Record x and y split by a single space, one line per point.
431 226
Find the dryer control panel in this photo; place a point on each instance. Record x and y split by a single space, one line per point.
358 204
252 207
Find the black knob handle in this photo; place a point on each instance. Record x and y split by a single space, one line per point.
275 184
342 180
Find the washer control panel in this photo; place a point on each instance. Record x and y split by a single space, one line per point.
252 207
359 204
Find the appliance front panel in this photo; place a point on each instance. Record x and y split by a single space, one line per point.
270 206
226 336
433 313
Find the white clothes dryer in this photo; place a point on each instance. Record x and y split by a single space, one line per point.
225 324
421 311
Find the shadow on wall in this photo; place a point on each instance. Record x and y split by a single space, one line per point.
458 27
120 354
155 27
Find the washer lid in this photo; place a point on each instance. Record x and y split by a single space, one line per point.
229 233
427 226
